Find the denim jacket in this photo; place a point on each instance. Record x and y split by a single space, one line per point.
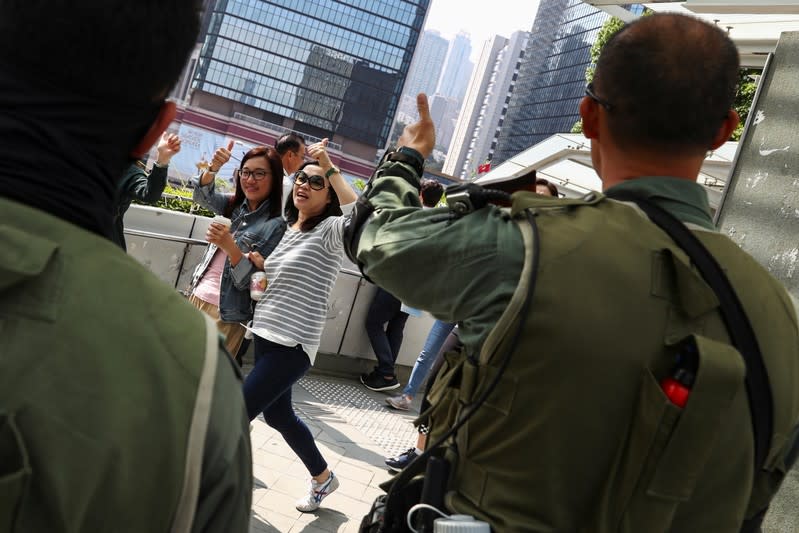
252 231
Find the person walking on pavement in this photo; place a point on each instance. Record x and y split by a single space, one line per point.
384 324
289 318
397 462
432 345
386 320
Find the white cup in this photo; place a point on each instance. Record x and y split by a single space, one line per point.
224 221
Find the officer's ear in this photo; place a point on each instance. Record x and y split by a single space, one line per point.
589 112
165 117
726 129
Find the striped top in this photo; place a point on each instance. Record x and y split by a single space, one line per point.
300 273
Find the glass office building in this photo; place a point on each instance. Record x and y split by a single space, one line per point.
321 67
551 78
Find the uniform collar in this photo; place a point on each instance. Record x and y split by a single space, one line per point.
684 199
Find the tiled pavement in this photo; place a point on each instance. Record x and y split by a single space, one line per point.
355 432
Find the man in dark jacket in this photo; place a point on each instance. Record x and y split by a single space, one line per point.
140 185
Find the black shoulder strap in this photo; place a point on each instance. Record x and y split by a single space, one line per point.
758 388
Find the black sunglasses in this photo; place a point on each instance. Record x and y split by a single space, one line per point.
315 182
589 92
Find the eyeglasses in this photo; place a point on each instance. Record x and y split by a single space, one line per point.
257 175
589 92
315 182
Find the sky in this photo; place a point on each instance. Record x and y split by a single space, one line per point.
481 19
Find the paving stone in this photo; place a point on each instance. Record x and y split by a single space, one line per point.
354 431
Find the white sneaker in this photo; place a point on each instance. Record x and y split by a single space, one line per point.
401 402
318 492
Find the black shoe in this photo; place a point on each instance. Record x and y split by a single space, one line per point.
402 460
376 382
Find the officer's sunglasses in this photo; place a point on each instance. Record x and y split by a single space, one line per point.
315 182
589 92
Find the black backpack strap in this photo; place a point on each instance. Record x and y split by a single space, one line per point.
758 388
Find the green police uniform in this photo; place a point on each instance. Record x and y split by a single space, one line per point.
119 410
578 435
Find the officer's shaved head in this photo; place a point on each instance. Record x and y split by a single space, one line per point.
670 81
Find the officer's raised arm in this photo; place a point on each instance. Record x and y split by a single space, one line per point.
427 257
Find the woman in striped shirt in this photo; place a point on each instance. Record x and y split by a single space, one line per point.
289 319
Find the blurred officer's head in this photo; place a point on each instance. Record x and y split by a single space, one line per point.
82 94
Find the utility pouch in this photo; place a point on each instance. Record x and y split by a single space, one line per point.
387 515
666 448
389 511
15 472
445 396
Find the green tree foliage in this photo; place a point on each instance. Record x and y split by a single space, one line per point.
747 86
608 30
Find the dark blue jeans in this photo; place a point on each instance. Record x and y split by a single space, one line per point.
267 389
386 342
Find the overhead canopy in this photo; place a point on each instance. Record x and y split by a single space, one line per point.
565 160
754 25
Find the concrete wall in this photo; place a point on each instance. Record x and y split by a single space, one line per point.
760 208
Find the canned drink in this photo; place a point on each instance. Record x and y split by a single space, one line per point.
257 285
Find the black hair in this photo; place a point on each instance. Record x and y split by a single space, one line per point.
289 141
553 190
275 176
101 48
670 80
332 209
431 192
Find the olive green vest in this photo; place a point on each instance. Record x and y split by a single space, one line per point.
578 434
105 385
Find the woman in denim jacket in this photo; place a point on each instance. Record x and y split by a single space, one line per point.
220 285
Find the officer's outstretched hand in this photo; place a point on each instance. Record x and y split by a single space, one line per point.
421 135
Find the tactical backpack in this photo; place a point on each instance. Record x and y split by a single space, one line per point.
640 493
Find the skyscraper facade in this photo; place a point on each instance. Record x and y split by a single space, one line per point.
427 64
552 76
483 112
444 112
320 67
457 68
